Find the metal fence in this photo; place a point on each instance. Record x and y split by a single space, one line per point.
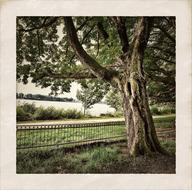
68 135
71 135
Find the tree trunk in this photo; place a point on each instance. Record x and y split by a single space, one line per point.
141 134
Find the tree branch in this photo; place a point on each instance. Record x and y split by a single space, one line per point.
164 59
83 40
166 33
102 31
121 29
167 51
44 25
98 44
85 59
139 43
84 23
165 79
74 75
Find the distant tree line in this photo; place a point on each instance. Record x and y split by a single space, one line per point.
42 97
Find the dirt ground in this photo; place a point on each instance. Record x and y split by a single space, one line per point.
159 164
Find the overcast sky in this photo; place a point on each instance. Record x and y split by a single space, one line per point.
32 89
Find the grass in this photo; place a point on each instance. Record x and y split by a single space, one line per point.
169 146
58 161
103 159
98 159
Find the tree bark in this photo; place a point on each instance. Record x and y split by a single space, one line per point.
141 134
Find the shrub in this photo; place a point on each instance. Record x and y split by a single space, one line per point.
162 109
29 108
22 115
106 115
154 110
72 114
118 114
49 113
167 110
27 112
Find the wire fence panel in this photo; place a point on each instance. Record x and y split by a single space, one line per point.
68 135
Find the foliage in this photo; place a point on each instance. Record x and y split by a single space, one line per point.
154 110
25 112
45 55
22 115
49 113
114 99
167 109
29 108
92 92
28 112
162 109
72 114
160 61
115 114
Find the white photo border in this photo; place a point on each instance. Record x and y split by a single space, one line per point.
9 10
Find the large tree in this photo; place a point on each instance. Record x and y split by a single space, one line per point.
54 51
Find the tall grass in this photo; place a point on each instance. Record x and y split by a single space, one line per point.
103 159
92 160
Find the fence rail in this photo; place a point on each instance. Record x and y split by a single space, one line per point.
68 135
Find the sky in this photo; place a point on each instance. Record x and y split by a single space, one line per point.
30 88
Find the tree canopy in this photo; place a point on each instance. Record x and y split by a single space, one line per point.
44 53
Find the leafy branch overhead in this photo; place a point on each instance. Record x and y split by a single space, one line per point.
45 55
